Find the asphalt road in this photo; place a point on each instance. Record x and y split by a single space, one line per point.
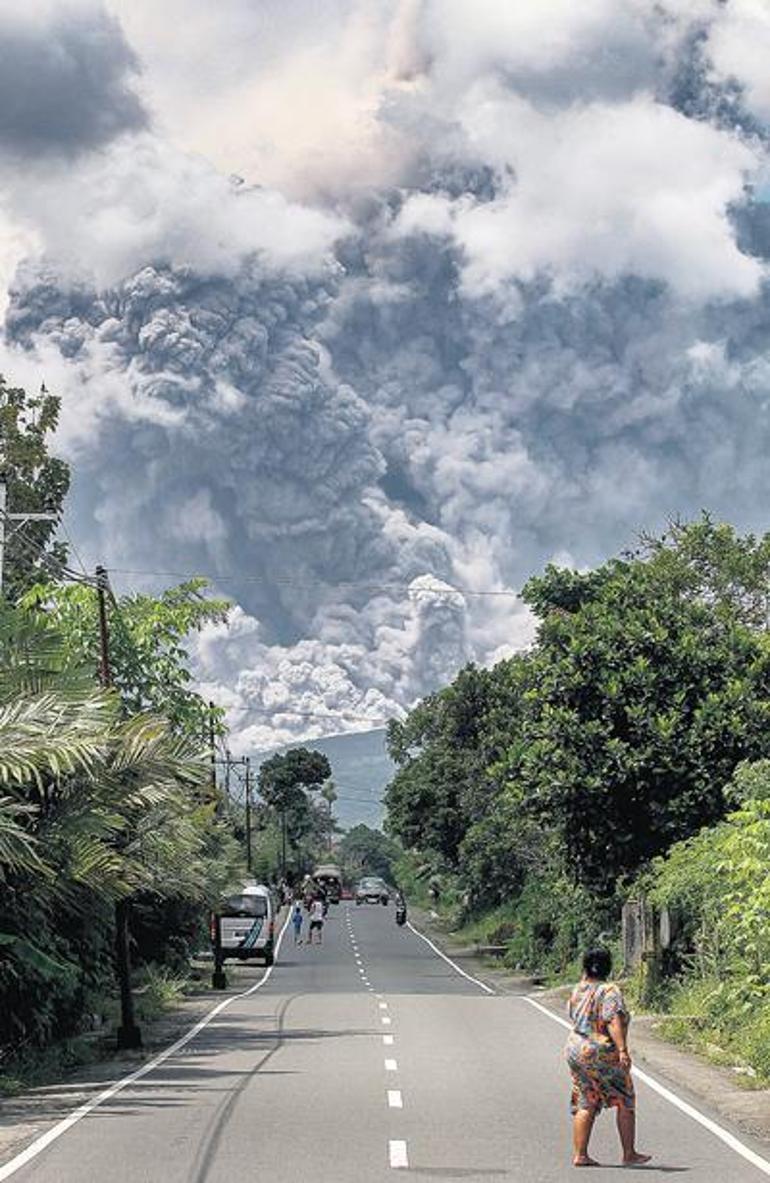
353 1059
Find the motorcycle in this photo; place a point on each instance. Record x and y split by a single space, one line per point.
400 912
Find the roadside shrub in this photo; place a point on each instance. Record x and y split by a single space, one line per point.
554 921
718 883
158 989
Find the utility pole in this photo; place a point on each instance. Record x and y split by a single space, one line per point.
21 518
3 505
329 794
213 748
231 762
249 866
102 587
129 1035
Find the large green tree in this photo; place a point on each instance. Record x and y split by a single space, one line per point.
646 701
440 753
285 782
148 644
611 738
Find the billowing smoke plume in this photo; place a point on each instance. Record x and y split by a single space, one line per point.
509 306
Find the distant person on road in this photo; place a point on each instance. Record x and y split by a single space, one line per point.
296 920
316 922
599 1061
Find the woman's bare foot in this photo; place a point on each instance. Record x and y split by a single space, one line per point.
636 1160
584 1161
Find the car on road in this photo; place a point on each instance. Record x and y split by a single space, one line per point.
372 890
246 923
328 877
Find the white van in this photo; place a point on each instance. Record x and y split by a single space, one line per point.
247 924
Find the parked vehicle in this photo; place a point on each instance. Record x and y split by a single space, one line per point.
246 923
372 890
328 877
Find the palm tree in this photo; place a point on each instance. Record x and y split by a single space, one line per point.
93 805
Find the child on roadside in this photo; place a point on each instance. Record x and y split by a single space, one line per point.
296 920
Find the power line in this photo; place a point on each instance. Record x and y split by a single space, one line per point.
285 581
71 544
32 551
272 712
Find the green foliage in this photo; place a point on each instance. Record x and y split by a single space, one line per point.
95 806
718 882
159 989
440 755
645 703
149 661
555 777
36 483
728 1028
285 781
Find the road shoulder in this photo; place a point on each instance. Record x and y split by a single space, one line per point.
24 1117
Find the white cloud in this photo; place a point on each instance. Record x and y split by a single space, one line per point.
604 189
739 48
142 201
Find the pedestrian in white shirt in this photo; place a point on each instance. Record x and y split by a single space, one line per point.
316 922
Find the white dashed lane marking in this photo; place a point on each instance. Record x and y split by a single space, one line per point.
395 1100
391 1066
388 1040
385 1020
397 1153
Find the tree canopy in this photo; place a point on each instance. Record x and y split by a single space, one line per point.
147 638
612 737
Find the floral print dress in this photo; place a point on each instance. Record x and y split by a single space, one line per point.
598 1080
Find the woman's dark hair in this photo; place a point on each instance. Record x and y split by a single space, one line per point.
597 963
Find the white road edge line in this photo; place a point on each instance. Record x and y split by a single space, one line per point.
762 1164
482 985
15 1164
395 1100
397 1155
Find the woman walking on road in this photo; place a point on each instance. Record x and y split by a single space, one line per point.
598 1059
